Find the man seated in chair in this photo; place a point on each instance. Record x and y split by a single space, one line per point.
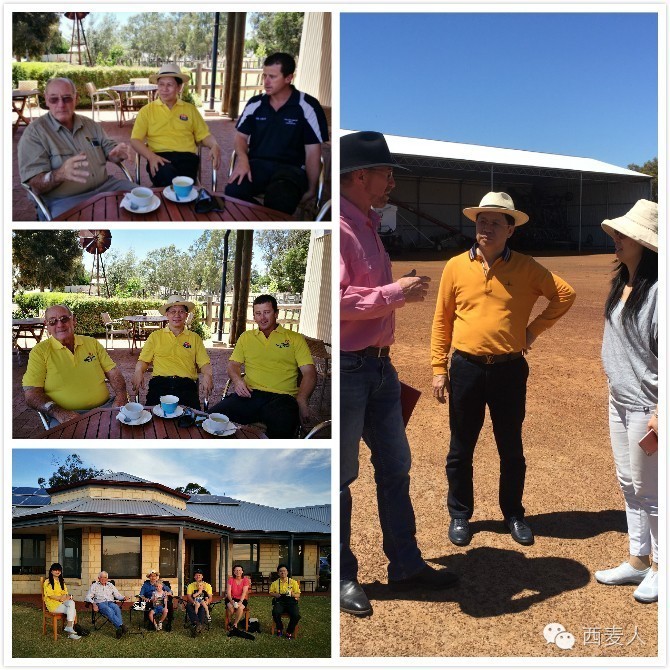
197 615
172 128
66 373
278 141
103 596
269 391
176 353
63 156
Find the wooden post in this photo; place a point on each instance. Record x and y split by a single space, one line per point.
230 40
198 77
208 311
236 65
245 279
237 273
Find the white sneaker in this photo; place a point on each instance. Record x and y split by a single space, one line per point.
74 636
159 626
647 592
68 629
623 574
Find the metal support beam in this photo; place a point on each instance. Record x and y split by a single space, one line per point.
222 589
61 540
290 554
579 246
180 561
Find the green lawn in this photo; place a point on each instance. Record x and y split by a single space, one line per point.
313 637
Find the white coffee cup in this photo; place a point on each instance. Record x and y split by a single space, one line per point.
141 196
133 410
219 419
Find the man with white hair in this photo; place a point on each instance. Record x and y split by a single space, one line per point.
63 155
102 596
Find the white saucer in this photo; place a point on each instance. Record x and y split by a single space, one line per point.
143 418
169 193
158 411
208 428
153 205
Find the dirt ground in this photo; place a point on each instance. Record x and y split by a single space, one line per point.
509 593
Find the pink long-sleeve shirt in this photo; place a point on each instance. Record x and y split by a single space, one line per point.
368 294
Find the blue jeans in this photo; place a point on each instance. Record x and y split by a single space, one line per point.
112 611
370 408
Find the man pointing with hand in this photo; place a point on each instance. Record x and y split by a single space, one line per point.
369 387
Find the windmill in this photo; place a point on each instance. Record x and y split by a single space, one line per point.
78 26
96 242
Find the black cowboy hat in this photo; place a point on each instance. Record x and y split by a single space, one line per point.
365 149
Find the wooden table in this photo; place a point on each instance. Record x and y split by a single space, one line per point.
136 322
32 328
19 100
105 207
124 91
102 424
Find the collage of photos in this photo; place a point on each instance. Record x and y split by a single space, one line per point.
477 411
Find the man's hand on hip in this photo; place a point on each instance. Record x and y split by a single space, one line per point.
440 385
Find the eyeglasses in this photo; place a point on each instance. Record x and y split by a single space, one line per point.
54 320
65 99
389 173
177 311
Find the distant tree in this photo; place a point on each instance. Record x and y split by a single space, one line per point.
123 271
169 269
46 257
31 31
287 270
192 488
70 471
276 31
152 36
105 41
195 32
650 168
207 255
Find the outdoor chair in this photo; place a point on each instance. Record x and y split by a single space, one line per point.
227 621
110 331
211 604
98 619
103 98
320 351
138 169
54 616
324 212
33 100
146 606
322 431
136 100
285 615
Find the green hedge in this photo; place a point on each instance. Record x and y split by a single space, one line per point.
101 76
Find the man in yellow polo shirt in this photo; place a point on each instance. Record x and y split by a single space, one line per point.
269 391
172 129
485 299
176 354
66 373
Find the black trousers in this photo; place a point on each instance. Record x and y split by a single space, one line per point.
182 164
282 185
184 388
192 616
290 606
501 386
278 411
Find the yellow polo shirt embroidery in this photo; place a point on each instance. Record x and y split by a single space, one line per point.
175 356
271 364
73 381
165 129
51 593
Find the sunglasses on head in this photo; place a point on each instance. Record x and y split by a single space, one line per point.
55 319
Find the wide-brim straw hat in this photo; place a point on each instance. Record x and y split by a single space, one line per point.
176 301
497 202
640 224
365 149
169 70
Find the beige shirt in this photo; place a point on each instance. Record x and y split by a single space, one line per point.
46 145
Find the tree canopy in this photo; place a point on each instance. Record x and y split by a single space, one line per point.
192 488
650 168
284 253
275 31
70 471
33 31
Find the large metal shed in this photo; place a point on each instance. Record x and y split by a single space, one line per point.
567 197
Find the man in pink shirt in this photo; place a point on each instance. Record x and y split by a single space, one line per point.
369 386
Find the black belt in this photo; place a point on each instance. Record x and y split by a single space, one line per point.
372 352
490 359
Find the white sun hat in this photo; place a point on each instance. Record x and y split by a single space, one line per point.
497 202
640 224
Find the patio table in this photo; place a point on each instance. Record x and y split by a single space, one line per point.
19 100
102 424
32 328
136 322
105 207
124 91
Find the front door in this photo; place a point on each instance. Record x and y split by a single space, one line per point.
198 557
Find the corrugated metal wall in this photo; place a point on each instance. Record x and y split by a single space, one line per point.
316 313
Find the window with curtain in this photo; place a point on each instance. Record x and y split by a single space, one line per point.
167 561
72 556
297 566
29 555
246 555
122 553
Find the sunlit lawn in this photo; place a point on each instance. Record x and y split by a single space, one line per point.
313 636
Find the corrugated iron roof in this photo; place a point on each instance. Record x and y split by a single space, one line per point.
207 498
317 512
121 477
415 146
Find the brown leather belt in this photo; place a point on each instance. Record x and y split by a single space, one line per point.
372 352
490 359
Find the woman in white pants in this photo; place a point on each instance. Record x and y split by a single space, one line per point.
630 360
57 599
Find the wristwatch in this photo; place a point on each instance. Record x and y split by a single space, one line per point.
47 407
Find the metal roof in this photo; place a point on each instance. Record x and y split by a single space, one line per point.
120 477
414 146
316 512
206 498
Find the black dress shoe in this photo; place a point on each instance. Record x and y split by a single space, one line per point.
520 530
459 532
353 599
428 579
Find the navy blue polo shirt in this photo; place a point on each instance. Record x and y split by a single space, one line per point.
281 135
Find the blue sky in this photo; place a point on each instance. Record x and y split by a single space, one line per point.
581 84
275 477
